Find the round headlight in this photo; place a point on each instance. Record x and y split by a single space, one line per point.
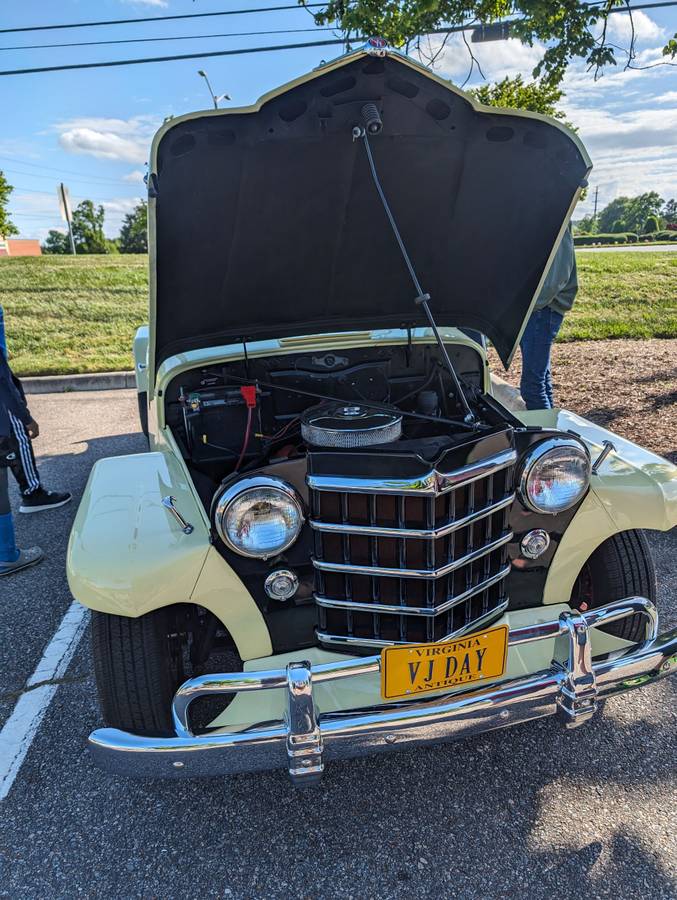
555 475
259 516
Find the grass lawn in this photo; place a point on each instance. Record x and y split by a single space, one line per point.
79 315
624 295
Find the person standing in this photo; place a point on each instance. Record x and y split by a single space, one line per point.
17 454
12 559
555 299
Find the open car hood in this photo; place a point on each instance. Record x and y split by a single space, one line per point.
265 223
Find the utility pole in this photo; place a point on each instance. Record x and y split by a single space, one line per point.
65 204
594 214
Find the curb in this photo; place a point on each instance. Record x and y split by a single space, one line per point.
97 381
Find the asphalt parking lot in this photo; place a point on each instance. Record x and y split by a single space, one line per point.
534 811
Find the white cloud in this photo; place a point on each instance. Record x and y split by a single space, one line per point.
667 97
620 25
497 59
134 177
162 3
126 140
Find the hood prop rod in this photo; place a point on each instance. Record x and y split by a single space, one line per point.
372 121
369 404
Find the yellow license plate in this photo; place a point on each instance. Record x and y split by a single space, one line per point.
416 669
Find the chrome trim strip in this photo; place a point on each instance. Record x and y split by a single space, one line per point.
405 724
430 611
414 573
348 641
432 483
426 533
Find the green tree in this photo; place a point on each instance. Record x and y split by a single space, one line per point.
568 28
631 212
617 227
88 228
7 227
651 225
56 242
586 225
669 212
134 231
536 96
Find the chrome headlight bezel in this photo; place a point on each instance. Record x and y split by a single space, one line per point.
245 485
536 455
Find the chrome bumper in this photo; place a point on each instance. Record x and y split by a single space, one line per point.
304 741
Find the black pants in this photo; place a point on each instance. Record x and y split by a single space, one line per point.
16 453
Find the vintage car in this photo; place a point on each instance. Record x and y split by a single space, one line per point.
340 542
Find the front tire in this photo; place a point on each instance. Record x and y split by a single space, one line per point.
142 400
138 667
620 567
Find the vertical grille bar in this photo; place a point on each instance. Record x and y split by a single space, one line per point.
374 583
347 578
402 561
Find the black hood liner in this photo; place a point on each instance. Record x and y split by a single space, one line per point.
268 223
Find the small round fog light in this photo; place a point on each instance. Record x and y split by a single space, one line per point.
281 584
535 543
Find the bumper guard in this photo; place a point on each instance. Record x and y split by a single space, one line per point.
305 740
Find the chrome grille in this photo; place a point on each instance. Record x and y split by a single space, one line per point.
411 560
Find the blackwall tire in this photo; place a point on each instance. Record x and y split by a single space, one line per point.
138 670
620 567
142 400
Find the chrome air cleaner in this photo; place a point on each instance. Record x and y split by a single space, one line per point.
339 425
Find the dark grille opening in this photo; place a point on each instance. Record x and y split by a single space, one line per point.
442 570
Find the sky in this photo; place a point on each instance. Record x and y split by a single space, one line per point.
92 129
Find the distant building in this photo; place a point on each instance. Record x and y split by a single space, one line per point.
20 247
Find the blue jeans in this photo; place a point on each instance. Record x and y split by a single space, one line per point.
541 331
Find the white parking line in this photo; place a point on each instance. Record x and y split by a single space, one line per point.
19 730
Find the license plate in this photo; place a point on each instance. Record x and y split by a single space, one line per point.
416 669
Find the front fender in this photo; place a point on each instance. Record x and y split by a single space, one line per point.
140 353
634 489
127 555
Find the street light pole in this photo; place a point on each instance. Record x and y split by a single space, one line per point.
215 98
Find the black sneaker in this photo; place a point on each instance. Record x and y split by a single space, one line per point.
42 499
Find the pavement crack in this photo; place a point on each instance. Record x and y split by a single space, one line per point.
14 695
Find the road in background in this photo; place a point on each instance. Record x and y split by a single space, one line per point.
646 248
534 811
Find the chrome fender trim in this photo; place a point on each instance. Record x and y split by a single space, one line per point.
303 742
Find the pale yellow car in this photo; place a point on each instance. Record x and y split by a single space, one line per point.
340 542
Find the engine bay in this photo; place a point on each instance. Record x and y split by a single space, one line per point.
241 416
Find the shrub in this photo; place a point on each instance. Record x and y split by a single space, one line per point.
588 240
652 225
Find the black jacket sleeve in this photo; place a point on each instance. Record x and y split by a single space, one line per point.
11 397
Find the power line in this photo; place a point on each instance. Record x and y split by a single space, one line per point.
58 170
25 190
74 177
242 12
266 49
154 59
227 12
178 37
